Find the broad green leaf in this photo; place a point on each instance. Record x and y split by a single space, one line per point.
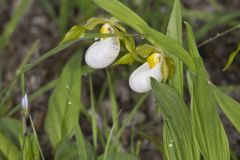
232 57
124 14
229 106
177 120
207 127
118 156
10 128
66 151
82 153
74 33
125 59
7 148
174 30
29 151
64 103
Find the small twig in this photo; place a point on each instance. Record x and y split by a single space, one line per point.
219 35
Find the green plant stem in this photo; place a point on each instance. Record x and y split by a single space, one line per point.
93 113
114 106
36 137
36 94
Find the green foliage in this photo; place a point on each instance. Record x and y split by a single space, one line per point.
118 156
64 103
7 148
211 137
74 33
177 123
232 57
29 147
174 30
229 106
12 24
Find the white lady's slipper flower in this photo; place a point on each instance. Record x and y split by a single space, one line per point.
24 102
102 53
139 80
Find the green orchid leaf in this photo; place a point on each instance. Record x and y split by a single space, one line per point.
174 30
64 103
180 144
229 106
11 127
207 127
74 33
118 156
7 148
30 148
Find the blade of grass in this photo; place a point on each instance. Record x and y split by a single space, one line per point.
65 8
12 24
82 153
218 20
113 100
93 114
130 117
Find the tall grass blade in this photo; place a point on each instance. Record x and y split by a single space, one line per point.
12 24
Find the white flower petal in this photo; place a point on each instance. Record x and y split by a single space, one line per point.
139 80
101 54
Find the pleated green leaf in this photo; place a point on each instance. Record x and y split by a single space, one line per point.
124 14
63 107
229 106
118 156
7 148
82 153
11 127
181 145
207 127
174 30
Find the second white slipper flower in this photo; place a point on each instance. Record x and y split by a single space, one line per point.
139 80
102 53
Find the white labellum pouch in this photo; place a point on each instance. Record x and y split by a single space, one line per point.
139 80
102 53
